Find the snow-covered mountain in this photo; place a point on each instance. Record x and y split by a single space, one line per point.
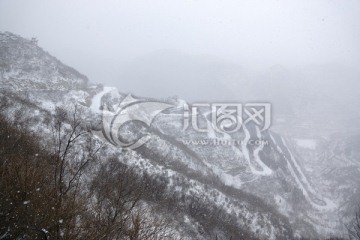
24 65
284 188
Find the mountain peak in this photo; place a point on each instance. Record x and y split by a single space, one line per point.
24 66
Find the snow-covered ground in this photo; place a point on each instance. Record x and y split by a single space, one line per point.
306 143
96 100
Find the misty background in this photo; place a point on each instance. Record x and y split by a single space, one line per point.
302 56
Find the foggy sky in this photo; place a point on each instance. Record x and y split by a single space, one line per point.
100 37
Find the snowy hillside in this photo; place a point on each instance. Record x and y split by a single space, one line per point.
285 188
25 66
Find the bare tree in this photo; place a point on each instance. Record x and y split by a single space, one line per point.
44 193
74 150
24 203
145 225
118 211
354 228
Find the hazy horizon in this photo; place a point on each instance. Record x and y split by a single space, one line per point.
102 38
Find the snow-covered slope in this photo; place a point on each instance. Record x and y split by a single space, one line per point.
279 189
24 66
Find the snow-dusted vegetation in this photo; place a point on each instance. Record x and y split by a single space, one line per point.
60 177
